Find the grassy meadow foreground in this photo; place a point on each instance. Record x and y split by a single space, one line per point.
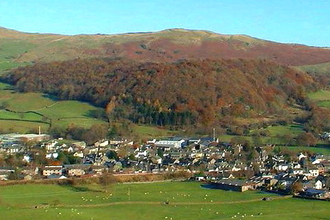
186 200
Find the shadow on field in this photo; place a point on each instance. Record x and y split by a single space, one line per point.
81 188
96 113
51 97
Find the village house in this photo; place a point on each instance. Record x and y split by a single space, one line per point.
5 172
297 171
102 143
318 184
314 171
79 154
49 170
52 155
76 170
117 142
50 146
315 193
11 148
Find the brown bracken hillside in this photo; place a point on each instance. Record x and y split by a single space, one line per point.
164 46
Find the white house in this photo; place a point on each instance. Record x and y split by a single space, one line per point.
318 185
79 154
282 167
297 171
315 172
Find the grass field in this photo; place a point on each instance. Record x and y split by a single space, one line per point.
68 109
152 132
293 129
26 111
322 95
5 86
27 101
21 116
281 130
325 104
9 126
187 200
322 68
317 150
322 98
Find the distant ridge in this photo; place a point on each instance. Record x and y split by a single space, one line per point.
163 46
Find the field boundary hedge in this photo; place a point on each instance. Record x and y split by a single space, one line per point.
116 178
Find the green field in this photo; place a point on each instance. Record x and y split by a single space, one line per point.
293 129
322 95
9 126
152 132
27 101
27 111
186 200
4 86
322 68
29 116
322 98
273 132
325 104
316 150
68 109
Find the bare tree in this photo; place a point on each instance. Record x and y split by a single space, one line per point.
107 180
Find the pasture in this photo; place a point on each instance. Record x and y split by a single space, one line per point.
151 132
293 129
25 112
316 150
272 131
186 200
322 98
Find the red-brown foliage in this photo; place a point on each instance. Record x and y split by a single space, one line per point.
177 93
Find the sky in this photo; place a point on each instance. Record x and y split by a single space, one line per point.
287 21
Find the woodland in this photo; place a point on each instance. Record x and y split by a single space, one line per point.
182 94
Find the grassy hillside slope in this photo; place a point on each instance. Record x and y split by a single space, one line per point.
25 112
322 98
317 68
169 45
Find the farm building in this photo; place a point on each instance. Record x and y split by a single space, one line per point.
235 185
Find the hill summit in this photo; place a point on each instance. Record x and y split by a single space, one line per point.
163 46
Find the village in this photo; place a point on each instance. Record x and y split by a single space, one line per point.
223 165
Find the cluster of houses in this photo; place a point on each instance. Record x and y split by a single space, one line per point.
207 159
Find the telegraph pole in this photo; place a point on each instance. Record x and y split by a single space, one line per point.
213 134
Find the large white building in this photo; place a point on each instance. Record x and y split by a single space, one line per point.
169 144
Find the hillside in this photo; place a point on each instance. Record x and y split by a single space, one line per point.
179 93
165 46
25 112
